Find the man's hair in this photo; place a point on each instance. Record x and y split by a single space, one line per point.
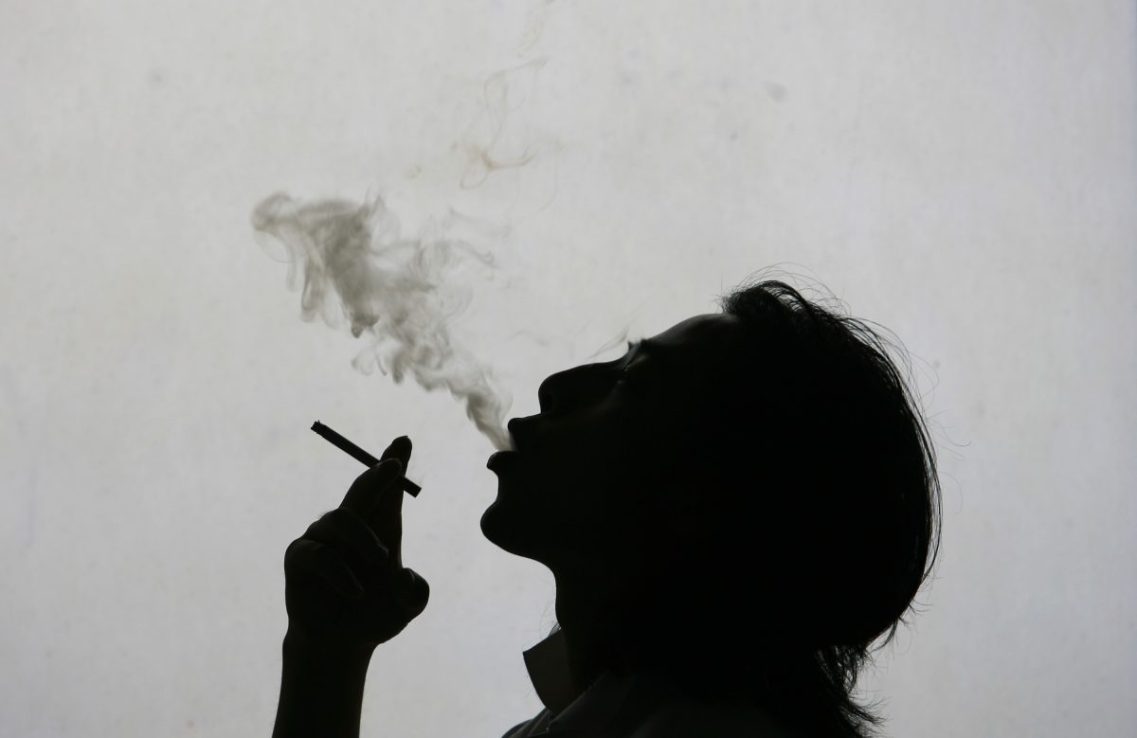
823 478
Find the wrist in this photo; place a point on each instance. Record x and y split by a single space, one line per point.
321 688
303 646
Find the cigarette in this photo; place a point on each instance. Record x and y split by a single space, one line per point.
359 454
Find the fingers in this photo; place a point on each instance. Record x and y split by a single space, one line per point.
386 519
372 484
413 593
322 560
375 506
342 527
410 592
368 488
399 449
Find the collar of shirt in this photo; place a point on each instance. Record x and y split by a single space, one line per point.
547 663
645 703
610 699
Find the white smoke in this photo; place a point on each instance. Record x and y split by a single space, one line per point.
353 262
403 292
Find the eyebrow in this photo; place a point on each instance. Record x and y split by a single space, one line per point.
642 346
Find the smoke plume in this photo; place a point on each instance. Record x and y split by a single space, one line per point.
353 262
403 292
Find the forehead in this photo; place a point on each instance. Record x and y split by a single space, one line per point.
702 338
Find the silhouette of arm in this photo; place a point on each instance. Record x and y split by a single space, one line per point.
321 691
346 592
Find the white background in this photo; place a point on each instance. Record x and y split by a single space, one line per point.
963 173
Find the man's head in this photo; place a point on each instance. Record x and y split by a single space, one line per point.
763 471
595 466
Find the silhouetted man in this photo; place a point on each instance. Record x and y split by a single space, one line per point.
734 512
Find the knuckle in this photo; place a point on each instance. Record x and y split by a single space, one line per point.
337 526
297 548
298 554
320 529
381 474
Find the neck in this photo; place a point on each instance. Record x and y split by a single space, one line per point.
581 613
590 591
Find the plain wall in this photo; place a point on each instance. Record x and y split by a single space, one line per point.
962 173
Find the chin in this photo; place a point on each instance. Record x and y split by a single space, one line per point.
494 528
505 532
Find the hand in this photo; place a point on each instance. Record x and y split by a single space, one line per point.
345 584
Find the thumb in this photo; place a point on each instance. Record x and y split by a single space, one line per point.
371 486
412 591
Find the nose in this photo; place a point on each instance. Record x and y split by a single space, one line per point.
565 389
545 394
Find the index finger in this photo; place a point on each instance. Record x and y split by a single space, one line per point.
367 489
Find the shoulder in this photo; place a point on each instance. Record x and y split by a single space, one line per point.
532 726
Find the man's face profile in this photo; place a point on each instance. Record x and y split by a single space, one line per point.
594 462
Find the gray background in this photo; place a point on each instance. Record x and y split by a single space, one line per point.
963 173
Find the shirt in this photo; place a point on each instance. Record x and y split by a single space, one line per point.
641 705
